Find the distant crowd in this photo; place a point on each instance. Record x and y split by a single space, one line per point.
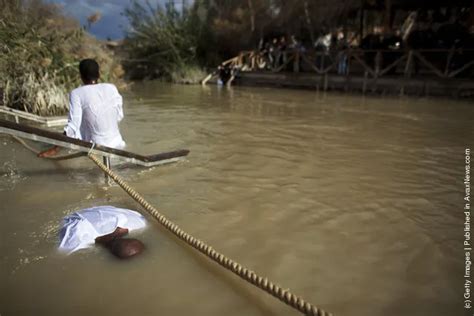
420 31
435 31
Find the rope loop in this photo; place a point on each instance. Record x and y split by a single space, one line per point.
90 150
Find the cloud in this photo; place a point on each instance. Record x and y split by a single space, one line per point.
112 24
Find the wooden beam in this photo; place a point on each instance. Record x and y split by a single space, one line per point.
455 72
284 64
58 139
393 64
48 121
428 64
364 65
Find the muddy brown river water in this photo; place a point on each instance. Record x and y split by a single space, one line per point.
354 203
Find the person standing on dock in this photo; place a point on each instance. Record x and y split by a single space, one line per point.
95 110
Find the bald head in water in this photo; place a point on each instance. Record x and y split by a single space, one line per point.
125 248
122 248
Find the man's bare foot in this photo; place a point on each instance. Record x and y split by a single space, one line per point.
49 152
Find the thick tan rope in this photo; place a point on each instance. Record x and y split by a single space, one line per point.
248 275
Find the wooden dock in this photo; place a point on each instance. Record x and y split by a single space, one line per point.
58 139
423 72
383 85
50 121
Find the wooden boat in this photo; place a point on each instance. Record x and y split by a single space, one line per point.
58 139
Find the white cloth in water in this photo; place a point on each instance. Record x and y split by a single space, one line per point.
94 113
80 229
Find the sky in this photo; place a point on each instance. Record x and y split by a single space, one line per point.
112 24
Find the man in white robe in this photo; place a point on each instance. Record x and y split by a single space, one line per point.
95 110
105 225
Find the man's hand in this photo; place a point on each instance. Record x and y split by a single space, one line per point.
49 152
117 233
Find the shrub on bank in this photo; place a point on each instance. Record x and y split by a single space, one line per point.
40 50
188 75
161 43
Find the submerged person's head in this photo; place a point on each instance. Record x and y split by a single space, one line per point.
89 70
125 248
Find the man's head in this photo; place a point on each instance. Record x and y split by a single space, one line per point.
122 248
89 70
125 248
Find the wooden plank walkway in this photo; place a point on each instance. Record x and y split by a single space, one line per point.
48 121
58 139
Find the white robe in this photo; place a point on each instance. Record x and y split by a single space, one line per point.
94 113
80 229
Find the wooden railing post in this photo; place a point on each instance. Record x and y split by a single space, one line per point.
448 61
406 72
364 83
323 55
378 63
348 68
296 62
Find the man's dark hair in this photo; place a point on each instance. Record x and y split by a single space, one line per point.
89 69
